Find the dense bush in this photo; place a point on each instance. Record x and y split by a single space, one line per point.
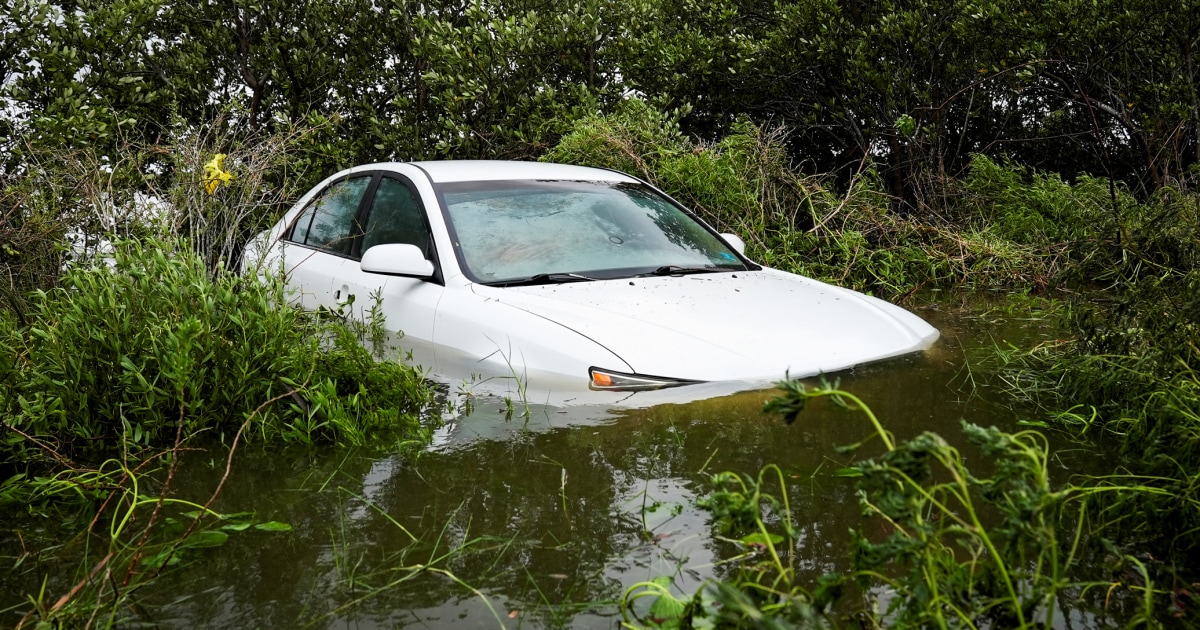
1128 367
945 541
1027 206
1135 319
126 355
1104 87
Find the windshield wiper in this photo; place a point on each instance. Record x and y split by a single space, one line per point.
679 270
541 278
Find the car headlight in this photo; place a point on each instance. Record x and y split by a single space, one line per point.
620 381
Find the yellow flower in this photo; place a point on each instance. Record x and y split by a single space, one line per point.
215 174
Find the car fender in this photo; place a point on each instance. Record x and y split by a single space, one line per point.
481 338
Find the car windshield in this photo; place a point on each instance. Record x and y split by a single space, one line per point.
508 231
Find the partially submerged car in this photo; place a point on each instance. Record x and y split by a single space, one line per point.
565 278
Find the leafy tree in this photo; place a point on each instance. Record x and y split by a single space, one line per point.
84 74
918 86
501 79
913 87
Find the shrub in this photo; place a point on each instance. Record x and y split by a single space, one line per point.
1026 206
66 207
941 544
1130 364
127 355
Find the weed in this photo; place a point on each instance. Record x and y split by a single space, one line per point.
1129 374
425 554
124 357
145 535
955 549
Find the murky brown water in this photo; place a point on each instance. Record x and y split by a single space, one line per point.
545 518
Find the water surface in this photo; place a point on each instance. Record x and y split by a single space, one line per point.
525 514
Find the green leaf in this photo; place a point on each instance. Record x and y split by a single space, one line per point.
273 526
207 538
667 610
196 514
158 560
758 538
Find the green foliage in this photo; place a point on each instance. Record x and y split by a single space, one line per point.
125 356
1129 363
738 506
132 535
1106 88
553 68
1088 233
80 75
942 545
1129 375
68 205
632 139
1035 208
954 568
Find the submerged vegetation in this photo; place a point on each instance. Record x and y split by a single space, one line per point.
128 365
941 543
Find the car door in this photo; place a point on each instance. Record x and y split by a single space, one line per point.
394 214
321 239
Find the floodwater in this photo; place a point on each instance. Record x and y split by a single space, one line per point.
541 515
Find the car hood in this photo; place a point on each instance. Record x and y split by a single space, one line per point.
748 325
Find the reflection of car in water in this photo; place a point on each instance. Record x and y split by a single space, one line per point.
567 278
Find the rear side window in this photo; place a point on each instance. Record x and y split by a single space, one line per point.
327 222
396 217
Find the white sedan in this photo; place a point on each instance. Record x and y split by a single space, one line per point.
565 278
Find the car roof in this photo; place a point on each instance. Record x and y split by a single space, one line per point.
492 170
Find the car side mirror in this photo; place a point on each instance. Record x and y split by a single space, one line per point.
396 259
735 241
